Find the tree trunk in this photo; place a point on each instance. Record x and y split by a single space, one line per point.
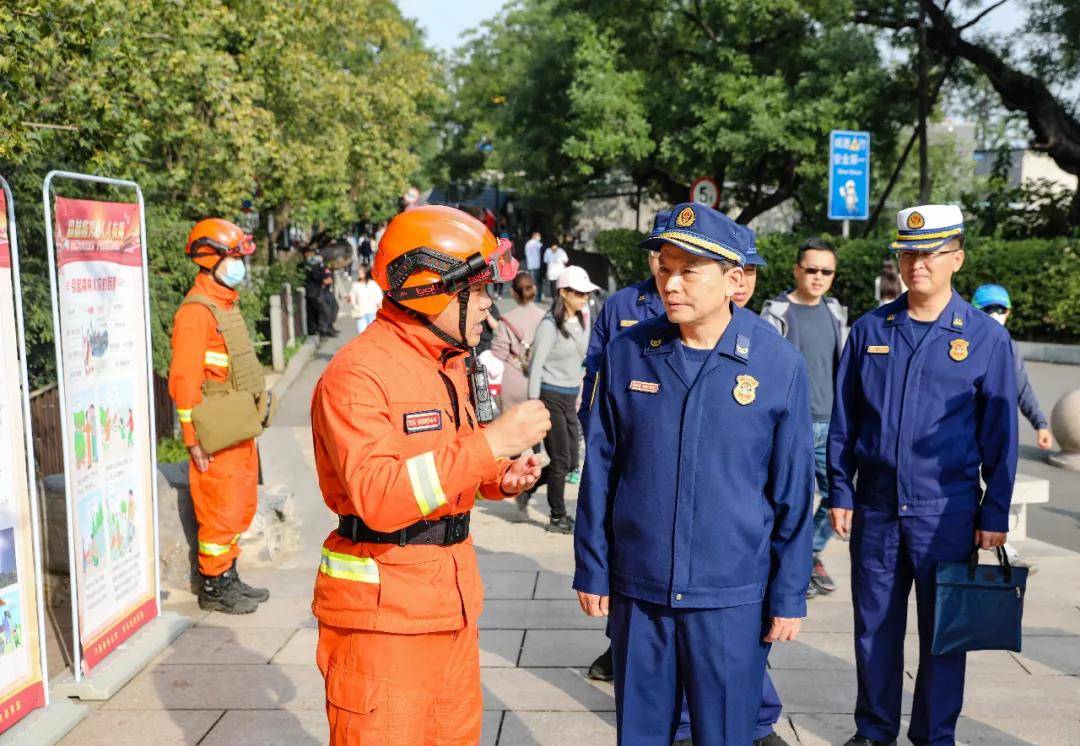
924 111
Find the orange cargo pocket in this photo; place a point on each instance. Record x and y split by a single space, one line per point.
355 705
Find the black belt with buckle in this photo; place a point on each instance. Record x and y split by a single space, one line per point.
453 529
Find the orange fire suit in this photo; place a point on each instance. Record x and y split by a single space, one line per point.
226 495
396 441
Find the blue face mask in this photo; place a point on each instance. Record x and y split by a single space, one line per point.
234 273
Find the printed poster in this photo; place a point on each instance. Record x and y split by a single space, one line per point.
21 654
107 406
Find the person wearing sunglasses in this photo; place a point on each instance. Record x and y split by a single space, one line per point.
817 325
922 460
213 361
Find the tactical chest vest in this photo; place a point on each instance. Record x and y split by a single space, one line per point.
238 408
245 370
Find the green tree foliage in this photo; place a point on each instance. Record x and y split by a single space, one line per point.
313 109
629 263
570 92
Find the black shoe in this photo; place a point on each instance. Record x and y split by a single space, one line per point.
819 578
812 591
522 501
222 593
259 594
773 739
858 740
564 524
602 668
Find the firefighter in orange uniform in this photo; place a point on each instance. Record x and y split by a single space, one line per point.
212 354
403 448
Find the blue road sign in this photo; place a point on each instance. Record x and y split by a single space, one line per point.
849 175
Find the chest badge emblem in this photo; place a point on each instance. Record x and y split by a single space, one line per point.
745 390
655 342
958 350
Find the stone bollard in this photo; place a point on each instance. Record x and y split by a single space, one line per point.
290 315
1065 424
277 338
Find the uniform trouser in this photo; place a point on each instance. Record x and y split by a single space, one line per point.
888 554
225 497
714 656
386 689
768 713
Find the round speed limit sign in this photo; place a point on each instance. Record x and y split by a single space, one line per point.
705 192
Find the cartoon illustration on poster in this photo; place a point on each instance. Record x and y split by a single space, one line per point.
102 335
12 633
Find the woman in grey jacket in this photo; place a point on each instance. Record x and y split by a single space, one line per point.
556 366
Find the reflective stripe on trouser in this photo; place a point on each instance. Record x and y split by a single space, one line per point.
402 690
225 497
426 487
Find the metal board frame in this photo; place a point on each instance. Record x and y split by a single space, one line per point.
46 193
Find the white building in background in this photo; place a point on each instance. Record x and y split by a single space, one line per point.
1026 167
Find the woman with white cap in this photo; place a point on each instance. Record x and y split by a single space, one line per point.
556 367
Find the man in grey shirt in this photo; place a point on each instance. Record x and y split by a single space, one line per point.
816 325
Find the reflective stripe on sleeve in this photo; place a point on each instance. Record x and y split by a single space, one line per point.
184 415
347 567
425 483
217 359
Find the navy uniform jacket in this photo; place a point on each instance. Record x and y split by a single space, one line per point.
622 310
689 498
916 425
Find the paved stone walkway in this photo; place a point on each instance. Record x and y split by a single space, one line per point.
252 679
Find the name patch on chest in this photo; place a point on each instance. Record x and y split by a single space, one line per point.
645 387
422 422
878 349
627 322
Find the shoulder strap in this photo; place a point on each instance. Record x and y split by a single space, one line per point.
198 299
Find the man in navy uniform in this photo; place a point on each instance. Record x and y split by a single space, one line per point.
925 404
694 519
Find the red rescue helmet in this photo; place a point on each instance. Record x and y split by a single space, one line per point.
213 239
431 253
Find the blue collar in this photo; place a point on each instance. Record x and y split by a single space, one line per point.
734 343
954 316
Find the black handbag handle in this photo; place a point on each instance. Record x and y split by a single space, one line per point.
1003 560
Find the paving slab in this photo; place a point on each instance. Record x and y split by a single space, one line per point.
298 583
1022 694
300 649
270 728
1050 656
554 585
561 647
536 615
821 692
290 613
500 648
111 727
489 733
544 689
557 728
508 584
222 645
235 687
1051 620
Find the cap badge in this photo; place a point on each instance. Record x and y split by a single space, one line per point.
958 349
915 220
686 218
745 390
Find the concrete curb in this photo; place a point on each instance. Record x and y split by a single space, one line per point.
1045 352
299 359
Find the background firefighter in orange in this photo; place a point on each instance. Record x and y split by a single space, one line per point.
211 355
402 449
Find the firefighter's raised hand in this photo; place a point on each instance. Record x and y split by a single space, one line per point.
522 474
200 458
518 430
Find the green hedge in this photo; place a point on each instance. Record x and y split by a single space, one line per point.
1041 275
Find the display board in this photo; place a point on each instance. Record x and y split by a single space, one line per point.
100 313
22 654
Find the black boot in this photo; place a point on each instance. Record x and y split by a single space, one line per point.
602 668
773 739
222 593
564 524
259 594
858 740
